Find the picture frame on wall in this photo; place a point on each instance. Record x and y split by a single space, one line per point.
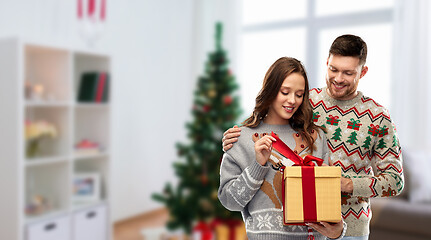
86 187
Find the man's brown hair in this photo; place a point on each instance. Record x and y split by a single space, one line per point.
350 46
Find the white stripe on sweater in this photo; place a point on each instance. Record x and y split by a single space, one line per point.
254 181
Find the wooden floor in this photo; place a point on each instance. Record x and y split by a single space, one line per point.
131 229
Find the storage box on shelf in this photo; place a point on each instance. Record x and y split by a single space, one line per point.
42 125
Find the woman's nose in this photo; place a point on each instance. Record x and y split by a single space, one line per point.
291 98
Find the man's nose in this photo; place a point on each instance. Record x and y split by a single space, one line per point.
338 77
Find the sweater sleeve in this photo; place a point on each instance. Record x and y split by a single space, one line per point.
325 149
389 178
238 187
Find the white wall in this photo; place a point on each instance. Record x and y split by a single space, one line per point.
151 43
158 49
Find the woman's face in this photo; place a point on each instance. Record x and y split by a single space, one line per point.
288 100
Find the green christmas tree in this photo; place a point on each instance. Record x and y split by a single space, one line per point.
352 138
215 109
381 144
395 141
367 143
337 134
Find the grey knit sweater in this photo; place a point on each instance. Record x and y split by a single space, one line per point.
256 190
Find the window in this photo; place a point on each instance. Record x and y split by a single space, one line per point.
260 50
305 30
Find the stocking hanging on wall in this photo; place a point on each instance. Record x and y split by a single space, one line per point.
91 16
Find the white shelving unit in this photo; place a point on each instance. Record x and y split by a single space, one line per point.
47 179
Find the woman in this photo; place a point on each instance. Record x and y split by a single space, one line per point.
249 178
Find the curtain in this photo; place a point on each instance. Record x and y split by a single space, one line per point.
411 103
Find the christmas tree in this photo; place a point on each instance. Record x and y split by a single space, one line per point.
215 109
367 142
381 144
352 138
395 141
337 134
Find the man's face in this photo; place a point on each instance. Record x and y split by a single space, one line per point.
343 76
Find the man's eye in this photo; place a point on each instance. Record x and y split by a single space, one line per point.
349 74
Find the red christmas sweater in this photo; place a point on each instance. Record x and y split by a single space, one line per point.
360 135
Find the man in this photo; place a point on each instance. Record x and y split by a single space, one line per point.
360 135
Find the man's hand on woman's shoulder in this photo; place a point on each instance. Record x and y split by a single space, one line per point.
230 136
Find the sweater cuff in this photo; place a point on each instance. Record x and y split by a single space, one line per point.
342 233
257 171
360 187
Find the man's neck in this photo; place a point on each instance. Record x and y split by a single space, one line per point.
342 99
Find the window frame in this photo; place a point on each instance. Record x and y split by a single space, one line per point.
314 25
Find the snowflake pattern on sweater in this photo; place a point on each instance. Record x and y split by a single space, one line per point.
360 134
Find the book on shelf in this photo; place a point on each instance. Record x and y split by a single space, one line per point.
94 87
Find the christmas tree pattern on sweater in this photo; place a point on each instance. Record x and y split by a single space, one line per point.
360 133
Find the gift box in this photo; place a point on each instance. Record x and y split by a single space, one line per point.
229 229
311 192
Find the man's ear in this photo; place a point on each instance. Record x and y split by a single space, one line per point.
364 71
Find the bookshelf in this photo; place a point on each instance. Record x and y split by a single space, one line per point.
47 185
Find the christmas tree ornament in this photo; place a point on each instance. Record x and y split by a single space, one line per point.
227 100
212 93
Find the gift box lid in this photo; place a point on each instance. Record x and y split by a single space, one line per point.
321 172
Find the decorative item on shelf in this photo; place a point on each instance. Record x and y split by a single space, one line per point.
86 187
37 206
28 90
94 87
34 91
34 133
87 147
38 92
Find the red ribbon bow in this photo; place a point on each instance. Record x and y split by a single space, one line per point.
308 160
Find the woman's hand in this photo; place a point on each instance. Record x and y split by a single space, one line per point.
330 230
263 148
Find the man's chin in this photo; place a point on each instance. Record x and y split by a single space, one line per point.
337 94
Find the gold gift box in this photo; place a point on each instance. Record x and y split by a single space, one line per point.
328 194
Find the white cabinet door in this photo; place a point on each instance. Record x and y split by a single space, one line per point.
55 229
90 224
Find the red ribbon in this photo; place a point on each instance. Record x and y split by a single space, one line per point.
308 179
282 148
309 194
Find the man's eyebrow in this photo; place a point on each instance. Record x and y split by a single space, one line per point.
348 70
